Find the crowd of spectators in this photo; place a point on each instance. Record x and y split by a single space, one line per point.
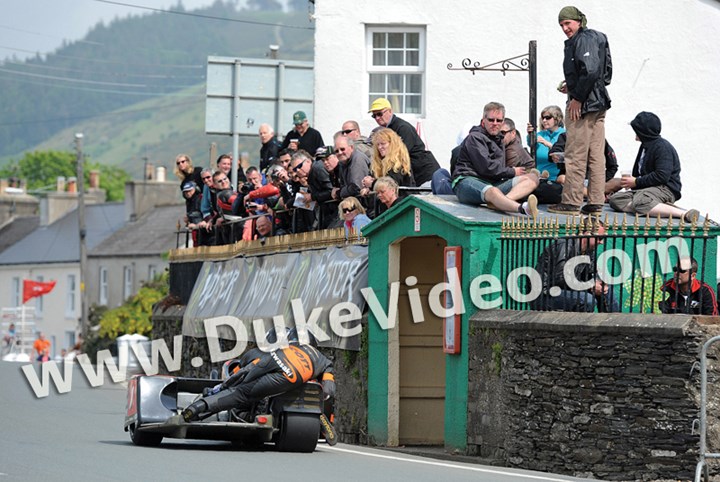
303 184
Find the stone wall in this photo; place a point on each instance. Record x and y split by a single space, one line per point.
350 370
592 395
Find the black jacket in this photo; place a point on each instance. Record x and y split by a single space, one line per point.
308 142
552 261
660 161
422 161
588 69
700 301
483 157
269 152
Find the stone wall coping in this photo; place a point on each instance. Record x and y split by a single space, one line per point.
635 323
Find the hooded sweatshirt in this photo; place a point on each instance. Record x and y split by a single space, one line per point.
657 162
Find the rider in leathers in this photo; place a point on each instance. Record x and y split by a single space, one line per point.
266 374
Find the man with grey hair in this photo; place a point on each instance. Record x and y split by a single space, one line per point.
354 166
588 70
481 176
270 146
351 129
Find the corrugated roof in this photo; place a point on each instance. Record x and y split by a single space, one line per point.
152 234
60 241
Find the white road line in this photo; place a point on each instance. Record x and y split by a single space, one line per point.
445 464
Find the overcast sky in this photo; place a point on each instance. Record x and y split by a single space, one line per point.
30 26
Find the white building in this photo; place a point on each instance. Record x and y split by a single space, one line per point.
666 59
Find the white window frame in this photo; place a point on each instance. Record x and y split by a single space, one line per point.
16 293
70 299
127 282
103 284
152 272
420 69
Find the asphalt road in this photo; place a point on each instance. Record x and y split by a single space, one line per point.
79 436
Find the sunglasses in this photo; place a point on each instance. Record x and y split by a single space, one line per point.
298 167
375 115
347 131
675 268
495 121
505 132
206 178
348 210
181 161
547 117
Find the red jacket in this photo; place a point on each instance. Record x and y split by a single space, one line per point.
700 301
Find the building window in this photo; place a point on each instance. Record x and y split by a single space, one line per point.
39 299
103 295
127 282
70 306
15 293
152 272
396 66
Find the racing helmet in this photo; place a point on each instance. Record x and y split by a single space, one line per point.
293 337
271 335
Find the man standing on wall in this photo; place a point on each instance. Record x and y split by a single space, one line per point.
588 70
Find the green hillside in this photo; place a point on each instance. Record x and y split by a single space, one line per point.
135 87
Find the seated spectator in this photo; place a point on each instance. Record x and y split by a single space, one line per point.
193 216
515 153
423 162
391 159
41 348
360 143
185 171
302 137
386 190
269 148
684 293
654 184
551 122
353 214
481 176
556 294
354 166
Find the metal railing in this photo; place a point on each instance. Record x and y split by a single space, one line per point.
702 468
637 258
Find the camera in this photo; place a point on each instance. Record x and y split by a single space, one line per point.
246 187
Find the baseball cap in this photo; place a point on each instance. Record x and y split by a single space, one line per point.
299 117
188 186
380 104
324 152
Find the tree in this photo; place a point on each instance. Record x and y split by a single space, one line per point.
40 170
134 315
264 5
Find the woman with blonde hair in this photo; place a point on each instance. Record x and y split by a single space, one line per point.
353 215
390 158
185 171
551 123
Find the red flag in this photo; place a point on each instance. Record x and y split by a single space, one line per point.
31 288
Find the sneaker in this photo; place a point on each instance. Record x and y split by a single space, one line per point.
545 174
529 207
592 209
562 208
691 216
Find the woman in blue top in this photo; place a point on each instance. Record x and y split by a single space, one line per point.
353 215
551 121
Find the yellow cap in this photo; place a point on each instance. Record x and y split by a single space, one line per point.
380 104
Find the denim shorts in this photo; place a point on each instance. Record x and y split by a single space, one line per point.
471 190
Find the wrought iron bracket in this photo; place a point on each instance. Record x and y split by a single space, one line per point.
519 63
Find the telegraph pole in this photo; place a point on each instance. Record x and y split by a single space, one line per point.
83 232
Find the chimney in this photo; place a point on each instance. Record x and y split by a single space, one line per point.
72 184
160 174
94 179
149 172
60 183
